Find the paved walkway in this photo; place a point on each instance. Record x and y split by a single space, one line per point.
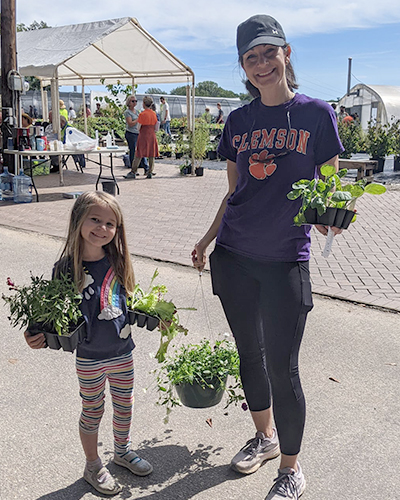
166 215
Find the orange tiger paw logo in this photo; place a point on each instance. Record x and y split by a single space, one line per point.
262 165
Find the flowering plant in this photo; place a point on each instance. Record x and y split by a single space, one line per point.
54 304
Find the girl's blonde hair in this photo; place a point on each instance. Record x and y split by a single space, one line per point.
116 250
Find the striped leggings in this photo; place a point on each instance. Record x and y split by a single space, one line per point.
92 376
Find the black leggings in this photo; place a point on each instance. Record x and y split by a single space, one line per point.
266 305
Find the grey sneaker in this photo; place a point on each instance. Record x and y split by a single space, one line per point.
102 481
136 465
255 452
289 484
130 175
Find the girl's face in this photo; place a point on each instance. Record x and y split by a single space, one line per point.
265 65
98 229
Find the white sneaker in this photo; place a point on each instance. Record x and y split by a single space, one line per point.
135 464
289 484
255 452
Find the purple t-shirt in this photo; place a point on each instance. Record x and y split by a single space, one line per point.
258 221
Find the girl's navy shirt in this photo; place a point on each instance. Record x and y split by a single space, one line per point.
106 314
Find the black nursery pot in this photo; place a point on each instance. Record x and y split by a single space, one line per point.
199 171
340 214
396 163
178 155
347 219
327 218
68 342
311 215
141 319
132 317
152 323
212 155
195 396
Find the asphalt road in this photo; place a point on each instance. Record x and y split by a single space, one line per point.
351 445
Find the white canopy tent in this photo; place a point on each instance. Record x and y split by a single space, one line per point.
102 52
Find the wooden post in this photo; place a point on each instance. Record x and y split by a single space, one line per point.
10 98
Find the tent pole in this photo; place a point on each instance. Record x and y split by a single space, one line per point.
84 107
45 109
188 108
193 121
55 118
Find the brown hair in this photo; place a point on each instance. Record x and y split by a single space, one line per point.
147 101
290 78
116 250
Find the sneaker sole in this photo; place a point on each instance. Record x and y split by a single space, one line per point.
124 463
303 487
271 455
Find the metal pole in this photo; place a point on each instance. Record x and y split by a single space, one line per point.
84 106
349 77
9 98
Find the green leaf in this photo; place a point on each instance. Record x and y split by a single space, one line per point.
375 188
328 170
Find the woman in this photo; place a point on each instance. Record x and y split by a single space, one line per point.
132 130
260 262
146 146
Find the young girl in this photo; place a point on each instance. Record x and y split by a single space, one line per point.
96 254
260 262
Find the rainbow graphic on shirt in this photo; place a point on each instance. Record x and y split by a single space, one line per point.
109 297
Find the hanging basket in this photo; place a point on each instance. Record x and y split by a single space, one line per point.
196 396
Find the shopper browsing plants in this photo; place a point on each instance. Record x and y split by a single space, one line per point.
259 265
96 255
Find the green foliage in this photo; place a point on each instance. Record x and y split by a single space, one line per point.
202 364
320 194
103 124
178 123
153 302
52 303
205 89
378 140
155 90
199 141
352 138
33 26
394 132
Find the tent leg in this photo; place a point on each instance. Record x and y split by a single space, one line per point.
84 107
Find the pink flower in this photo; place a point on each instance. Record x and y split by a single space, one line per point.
9 282
244 407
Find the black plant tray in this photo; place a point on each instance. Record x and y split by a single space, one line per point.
143 320
337 217
67 342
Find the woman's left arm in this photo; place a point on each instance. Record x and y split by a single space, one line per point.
335 163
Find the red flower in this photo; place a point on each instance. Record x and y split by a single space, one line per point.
10 283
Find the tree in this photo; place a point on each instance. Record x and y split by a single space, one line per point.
155 90
33 26
206 89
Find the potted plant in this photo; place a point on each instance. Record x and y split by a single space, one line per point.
185 168
395 144
351 136
151 309
199 375
199 141
327 201
50 307
378 143
181 147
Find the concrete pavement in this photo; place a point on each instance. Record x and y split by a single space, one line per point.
350 372
167 214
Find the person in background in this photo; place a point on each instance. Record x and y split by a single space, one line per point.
334 106
342 114
146 146
132 131
165 117
220 117
71 114
207 116
260 263
88 112
98 111
96 255
63 110
26 120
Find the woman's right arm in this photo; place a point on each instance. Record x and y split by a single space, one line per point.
199 252
130 122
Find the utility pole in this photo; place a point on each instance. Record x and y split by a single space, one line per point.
8 63
349 76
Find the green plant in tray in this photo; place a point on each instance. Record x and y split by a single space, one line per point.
54 304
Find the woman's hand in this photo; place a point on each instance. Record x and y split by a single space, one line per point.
199 257
35 341
324 229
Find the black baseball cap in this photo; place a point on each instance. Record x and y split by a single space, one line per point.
259 30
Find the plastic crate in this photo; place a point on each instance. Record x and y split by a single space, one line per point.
39 167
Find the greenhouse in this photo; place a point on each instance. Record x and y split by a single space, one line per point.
373 102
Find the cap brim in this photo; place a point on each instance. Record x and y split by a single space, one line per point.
262 40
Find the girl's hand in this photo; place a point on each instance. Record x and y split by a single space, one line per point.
199 257
324 229
36 341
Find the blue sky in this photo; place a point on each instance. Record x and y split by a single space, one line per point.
202 34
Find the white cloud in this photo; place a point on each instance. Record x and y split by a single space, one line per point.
110 312
210 25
